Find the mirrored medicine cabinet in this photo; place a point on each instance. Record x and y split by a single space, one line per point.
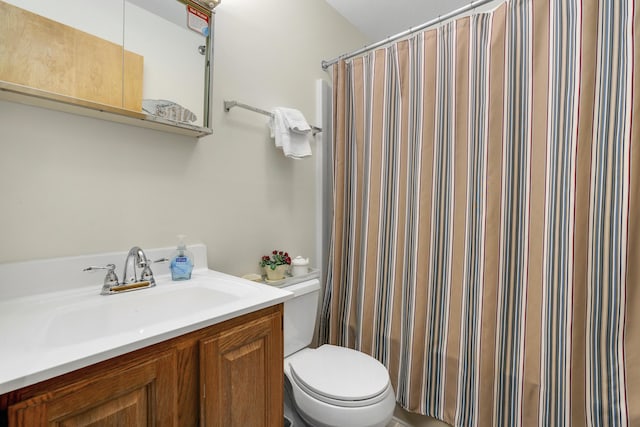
142 62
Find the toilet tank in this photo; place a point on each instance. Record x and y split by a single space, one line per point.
300 315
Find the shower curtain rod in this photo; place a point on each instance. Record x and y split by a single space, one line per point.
439 19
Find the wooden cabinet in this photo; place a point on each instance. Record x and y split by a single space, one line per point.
250 354
229 374
139 395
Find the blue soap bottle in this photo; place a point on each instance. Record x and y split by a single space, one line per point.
181 263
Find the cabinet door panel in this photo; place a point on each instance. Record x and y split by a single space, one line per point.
128 410
241 375
140 395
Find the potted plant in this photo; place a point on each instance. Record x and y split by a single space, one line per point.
276 265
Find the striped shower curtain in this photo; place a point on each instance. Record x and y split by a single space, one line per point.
486 229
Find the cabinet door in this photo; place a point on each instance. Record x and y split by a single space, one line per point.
139 395
241 375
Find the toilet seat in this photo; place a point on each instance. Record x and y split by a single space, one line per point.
340 376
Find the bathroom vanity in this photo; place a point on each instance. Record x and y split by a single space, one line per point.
228 374
206 352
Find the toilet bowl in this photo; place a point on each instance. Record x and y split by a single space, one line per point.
337 386
331 386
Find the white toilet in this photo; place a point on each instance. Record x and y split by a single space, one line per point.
331 386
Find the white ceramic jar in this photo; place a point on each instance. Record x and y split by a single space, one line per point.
299 266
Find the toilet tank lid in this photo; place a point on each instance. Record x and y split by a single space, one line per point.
303 288
340 373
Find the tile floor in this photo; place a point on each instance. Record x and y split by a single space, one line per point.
394 423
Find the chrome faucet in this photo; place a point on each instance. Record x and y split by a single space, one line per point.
136 259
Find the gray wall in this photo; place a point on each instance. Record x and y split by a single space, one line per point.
74 185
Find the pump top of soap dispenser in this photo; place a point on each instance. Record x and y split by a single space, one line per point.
181 246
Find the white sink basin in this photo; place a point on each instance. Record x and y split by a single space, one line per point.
46 335
135 311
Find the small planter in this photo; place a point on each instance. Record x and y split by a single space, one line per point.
278 273
280 261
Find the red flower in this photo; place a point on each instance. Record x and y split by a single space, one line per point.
275 259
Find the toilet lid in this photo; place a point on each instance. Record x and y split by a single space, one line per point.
339 375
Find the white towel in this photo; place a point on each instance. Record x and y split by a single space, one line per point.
168 110
294 120
291 132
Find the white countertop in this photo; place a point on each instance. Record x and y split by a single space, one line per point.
48 334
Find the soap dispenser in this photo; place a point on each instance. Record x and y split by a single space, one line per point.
181 263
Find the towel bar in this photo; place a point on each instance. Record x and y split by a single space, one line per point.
228 105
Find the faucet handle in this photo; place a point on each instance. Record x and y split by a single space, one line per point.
111 279
147 275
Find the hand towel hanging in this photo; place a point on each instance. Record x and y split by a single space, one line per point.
291 132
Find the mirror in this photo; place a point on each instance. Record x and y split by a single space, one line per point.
143 60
